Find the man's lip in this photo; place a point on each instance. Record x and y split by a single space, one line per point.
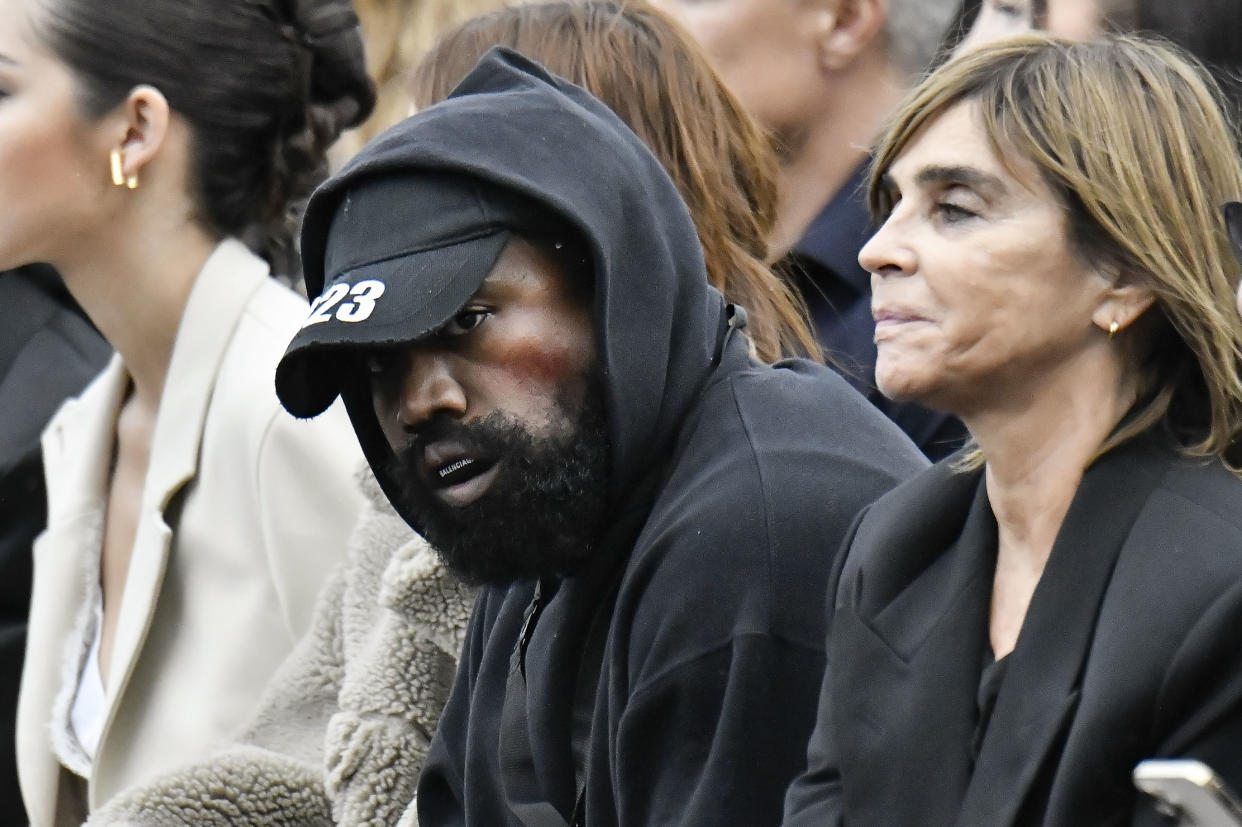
438 454
440 461
464 493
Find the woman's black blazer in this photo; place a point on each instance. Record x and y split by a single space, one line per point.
1131 648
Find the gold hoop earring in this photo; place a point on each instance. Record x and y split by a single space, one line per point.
119 178
1113 327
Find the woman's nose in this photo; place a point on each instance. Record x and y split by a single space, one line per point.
887 253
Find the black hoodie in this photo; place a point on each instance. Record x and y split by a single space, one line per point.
732 486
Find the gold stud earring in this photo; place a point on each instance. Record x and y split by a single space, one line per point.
1113 327
119 178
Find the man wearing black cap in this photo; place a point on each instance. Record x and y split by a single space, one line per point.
513 305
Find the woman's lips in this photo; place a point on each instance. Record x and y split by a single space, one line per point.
887 320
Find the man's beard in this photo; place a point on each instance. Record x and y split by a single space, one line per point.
541 516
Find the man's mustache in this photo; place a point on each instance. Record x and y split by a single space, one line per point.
482 437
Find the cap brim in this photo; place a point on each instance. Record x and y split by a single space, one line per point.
394 301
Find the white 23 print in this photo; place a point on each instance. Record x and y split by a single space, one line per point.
363 296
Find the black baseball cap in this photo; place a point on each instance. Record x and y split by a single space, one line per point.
403 253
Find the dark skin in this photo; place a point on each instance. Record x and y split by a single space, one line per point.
521 344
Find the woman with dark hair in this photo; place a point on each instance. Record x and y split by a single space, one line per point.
190 520
1014 629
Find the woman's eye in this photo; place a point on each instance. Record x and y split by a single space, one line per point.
464 322
1018 10
952 213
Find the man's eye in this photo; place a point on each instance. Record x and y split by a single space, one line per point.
464 322
380 361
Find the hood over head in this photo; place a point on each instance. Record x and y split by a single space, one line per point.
398 241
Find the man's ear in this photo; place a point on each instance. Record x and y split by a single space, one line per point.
844 29
1122 305
142 125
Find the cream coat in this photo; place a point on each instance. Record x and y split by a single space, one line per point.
245 511
345 724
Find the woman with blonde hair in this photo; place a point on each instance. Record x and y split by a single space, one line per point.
1017 627
397 34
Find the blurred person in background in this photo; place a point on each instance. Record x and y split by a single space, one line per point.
397 33
48 352
375 671
1035 616
823 76
1075 19
191 521
1211 30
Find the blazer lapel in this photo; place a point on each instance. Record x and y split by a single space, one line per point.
215 306
1040 688
78 443
907 643
77 449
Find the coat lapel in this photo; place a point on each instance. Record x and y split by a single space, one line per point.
77 449
1040 689
77 446
907 657
215 306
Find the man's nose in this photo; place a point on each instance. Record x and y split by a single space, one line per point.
429 388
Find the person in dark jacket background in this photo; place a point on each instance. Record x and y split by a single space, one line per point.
48 352
1208 29
514 307
823 77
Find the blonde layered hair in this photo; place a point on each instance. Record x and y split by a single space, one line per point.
396 34
1131 138
645 68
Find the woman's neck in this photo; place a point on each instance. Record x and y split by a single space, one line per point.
1036 455
134 286
1037 449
